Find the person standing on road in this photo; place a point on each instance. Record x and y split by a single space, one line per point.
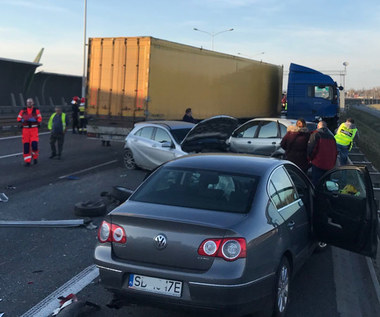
321 151
188 116
82 116
295 144
58 123
30 117
344 138
75 113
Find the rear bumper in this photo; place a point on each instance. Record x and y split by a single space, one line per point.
198 291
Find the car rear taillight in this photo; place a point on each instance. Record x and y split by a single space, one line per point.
229 249
111 233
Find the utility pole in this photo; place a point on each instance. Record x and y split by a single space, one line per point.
84 51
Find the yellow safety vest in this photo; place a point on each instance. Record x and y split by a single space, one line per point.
82 110
63 117
345 136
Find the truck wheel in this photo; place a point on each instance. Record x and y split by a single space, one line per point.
129 161
90 209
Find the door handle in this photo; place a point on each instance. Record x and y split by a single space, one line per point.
291 225
273 143
249 142
154 145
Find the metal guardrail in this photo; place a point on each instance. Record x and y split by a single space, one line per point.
358 158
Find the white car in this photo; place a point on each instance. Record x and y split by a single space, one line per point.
261 136
152 143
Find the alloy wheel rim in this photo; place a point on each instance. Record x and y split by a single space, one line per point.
283 289
128 159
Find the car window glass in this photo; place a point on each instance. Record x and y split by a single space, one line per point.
161 136
146 132
345 182
247 131
138 132
273 216
283 191
283 130
300 183
200 189
268 130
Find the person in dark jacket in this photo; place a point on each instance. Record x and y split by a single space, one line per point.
295 144
188 116
321 151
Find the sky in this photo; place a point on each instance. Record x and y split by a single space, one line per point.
318 34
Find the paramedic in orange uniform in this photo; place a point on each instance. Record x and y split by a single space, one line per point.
30 117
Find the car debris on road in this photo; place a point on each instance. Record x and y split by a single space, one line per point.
3 198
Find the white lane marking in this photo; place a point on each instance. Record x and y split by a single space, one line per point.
88 169
10 155
19 136
75 285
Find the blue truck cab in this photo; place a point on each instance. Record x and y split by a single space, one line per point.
312 95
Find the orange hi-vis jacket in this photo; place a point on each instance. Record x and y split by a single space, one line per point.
30 117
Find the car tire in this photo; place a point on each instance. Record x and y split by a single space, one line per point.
90 209
129 161
282 287
121 193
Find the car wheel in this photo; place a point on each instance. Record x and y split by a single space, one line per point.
283 277
321 246
129 161
90 209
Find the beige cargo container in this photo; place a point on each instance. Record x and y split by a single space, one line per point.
145 78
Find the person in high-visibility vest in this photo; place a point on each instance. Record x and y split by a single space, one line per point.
57 124
344 138
82 116
30 117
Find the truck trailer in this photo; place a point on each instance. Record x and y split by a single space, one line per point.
132 79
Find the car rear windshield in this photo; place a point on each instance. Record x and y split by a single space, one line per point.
179 134
200 189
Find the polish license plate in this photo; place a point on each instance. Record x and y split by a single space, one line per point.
155 285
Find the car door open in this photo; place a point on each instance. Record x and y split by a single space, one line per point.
345 212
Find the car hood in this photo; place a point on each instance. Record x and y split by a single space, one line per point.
210 135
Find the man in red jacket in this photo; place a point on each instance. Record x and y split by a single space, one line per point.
321 151
30 117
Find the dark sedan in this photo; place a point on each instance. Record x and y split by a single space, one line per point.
227 232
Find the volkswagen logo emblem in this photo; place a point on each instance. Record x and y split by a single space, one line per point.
160 241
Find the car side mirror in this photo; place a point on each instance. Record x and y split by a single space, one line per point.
332 186
166 144
340 87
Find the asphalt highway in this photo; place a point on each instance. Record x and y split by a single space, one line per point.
35 262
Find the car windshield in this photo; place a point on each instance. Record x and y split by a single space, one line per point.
179 134
200 189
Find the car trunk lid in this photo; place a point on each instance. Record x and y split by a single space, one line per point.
183 229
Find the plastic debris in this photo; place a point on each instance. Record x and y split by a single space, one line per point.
91 226
71 306
3 198
10 187
1 314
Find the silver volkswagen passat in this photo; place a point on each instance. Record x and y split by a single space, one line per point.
227 232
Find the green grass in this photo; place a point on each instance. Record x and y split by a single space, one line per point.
368 138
